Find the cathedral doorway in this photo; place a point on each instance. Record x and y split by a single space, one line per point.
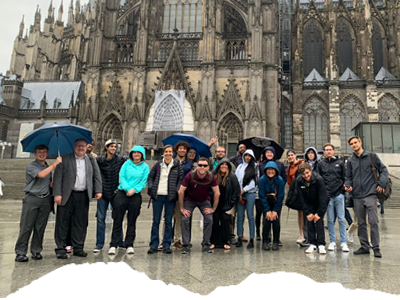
230 131
110 128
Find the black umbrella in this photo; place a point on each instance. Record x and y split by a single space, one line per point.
258 143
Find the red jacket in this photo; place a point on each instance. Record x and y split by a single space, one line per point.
291 171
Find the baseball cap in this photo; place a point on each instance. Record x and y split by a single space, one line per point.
110 141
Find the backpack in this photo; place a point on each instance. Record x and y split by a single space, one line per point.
292 199
388 188
210 178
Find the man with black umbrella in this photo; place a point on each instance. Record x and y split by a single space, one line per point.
237 160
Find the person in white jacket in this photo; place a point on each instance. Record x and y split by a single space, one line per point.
247 175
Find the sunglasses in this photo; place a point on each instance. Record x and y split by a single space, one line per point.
202 166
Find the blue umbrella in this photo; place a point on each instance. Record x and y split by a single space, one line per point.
194 142
59 137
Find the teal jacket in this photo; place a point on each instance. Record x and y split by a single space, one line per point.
134 176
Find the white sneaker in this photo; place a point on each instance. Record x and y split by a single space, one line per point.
311 249
350 237
130 250
344 247
300 240
112 250
332 246
321 249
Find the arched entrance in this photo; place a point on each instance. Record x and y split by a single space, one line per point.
230 131
110 128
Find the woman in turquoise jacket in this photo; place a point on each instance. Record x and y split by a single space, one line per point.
132 180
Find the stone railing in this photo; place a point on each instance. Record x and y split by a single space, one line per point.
116 64
57 112
125 38
29 113
183 35
6 110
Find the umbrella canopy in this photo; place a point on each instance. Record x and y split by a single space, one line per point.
258 143
59 137
194 142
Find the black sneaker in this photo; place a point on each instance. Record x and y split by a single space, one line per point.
265 246
250 245
62 255
21 258
275 247
239 243
37 256
377 253
306 243
207 249
361 251
152 251
185 250
167 250
80 253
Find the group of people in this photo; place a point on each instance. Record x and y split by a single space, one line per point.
221 188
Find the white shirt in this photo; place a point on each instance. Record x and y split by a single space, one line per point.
163 183
80 182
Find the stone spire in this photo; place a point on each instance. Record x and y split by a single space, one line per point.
71 14
21 28
38 18
60 12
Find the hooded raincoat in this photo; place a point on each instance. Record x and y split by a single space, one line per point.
279 164
134 176
274 185
240 172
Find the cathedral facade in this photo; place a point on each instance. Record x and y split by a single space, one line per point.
302 72
345 70
153 67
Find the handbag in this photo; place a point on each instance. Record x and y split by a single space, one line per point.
388 188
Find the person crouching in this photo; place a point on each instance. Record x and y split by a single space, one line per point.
314 199
271 190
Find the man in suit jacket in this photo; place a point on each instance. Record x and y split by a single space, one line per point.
75 180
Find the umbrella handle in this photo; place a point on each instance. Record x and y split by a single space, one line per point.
58 146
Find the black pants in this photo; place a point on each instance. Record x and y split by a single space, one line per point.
259 213
74 213
34 216
316 232
123 203
221 228
276 229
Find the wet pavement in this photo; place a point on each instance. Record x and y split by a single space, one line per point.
203 272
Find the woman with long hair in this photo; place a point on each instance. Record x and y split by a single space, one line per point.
230 192
247 175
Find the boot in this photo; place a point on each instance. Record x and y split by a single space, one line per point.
239 243
250 245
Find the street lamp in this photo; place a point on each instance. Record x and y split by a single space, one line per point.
3 146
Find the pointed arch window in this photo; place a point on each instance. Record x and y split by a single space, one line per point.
235 34
312 48
345 47
287 128
388 110
377 46
351 113
315 117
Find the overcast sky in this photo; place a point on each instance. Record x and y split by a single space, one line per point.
11 12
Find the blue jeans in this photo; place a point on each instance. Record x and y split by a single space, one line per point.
249 205
336 207
158 205
101 214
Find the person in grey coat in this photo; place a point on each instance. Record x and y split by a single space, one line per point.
360 181
75 181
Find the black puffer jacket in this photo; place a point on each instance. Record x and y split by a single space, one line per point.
313 197
232 188
333 172
109 169
175 178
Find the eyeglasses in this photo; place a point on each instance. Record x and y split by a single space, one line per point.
220 151
202 166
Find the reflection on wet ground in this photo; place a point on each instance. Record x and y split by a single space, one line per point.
203 272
